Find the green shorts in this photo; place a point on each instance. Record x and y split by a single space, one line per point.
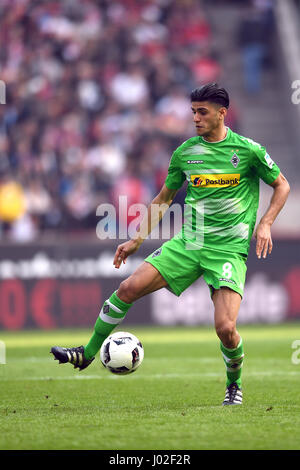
181 267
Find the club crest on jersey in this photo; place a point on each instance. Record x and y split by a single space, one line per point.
156 253
215 180
235 160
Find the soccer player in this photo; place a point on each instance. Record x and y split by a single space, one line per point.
223 170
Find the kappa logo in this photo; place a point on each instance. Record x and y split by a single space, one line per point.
227 280
215 180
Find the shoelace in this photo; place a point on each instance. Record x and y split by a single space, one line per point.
232 389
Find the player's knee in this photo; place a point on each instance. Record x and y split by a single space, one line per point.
128 291
226 332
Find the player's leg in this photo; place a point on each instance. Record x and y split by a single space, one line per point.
227 303
225 274
144 280
171 265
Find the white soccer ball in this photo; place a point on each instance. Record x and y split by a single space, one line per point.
121 353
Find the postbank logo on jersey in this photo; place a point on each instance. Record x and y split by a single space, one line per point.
215 180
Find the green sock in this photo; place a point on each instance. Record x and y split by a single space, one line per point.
112 313
233 359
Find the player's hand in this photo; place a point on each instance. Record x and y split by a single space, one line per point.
264 242
124 250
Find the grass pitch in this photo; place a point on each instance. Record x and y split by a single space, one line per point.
173 401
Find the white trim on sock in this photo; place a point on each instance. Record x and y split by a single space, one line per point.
108 319
116 309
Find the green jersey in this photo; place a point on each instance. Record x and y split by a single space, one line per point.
223 189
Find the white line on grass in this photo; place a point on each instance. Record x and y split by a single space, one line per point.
145 376
208 360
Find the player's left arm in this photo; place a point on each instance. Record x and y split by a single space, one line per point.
281 189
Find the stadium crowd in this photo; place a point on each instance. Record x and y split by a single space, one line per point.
97 99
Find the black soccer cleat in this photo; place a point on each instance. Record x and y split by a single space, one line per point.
233 395
73 355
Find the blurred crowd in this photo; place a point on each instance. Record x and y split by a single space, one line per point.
97 99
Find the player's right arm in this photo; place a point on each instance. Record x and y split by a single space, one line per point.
155 212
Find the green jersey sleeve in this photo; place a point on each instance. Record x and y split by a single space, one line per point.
175 177
264 166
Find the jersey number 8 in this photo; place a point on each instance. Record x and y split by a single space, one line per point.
227 270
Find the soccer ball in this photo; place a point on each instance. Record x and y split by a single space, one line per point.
121 353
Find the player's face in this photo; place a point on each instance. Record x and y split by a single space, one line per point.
208 117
